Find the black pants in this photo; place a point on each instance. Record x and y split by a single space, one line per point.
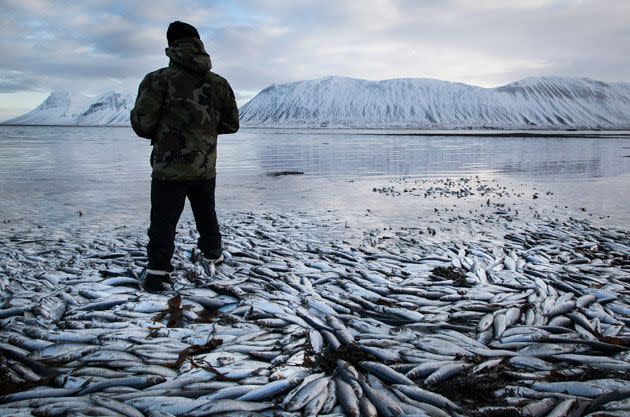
167 204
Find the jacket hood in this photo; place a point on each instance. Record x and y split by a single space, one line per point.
189 53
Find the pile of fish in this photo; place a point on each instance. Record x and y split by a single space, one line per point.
396 323
457 187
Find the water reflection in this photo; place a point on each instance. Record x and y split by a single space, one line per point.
346 155
49 173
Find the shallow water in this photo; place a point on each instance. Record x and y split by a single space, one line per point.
72 175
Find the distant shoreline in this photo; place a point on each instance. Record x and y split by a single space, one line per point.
620 133
511 134
534 133
52 125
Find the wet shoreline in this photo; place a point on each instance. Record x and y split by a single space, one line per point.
73 176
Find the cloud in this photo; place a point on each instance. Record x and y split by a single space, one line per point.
100 44
483 43
14 81
33 7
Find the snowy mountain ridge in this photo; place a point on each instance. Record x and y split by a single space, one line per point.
405 103
421 103
65 108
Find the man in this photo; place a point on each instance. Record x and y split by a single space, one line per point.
182 108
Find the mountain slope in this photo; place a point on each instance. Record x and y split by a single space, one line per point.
545 102
60 108
65 108
418 103
111 108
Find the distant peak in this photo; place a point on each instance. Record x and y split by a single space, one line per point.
549 102
63 94
59 93
57 98
546 79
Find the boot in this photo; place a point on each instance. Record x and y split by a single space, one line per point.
155 281
215 256
208 261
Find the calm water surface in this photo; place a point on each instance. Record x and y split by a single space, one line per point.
75 174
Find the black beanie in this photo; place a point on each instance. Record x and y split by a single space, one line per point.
178 30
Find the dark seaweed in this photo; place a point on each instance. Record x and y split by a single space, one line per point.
352 354
456 274
284 173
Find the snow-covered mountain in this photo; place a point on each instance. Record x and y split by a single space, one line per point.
60 108
416 103
532 103
111 108
65 108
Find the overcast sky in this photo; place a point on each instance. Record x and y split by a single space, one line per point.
96 45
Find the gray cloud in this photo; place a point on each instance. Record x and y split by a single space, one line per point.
99 44
486 43
13 82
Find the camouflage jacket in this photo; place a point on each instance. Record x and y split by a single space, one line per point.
182 108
